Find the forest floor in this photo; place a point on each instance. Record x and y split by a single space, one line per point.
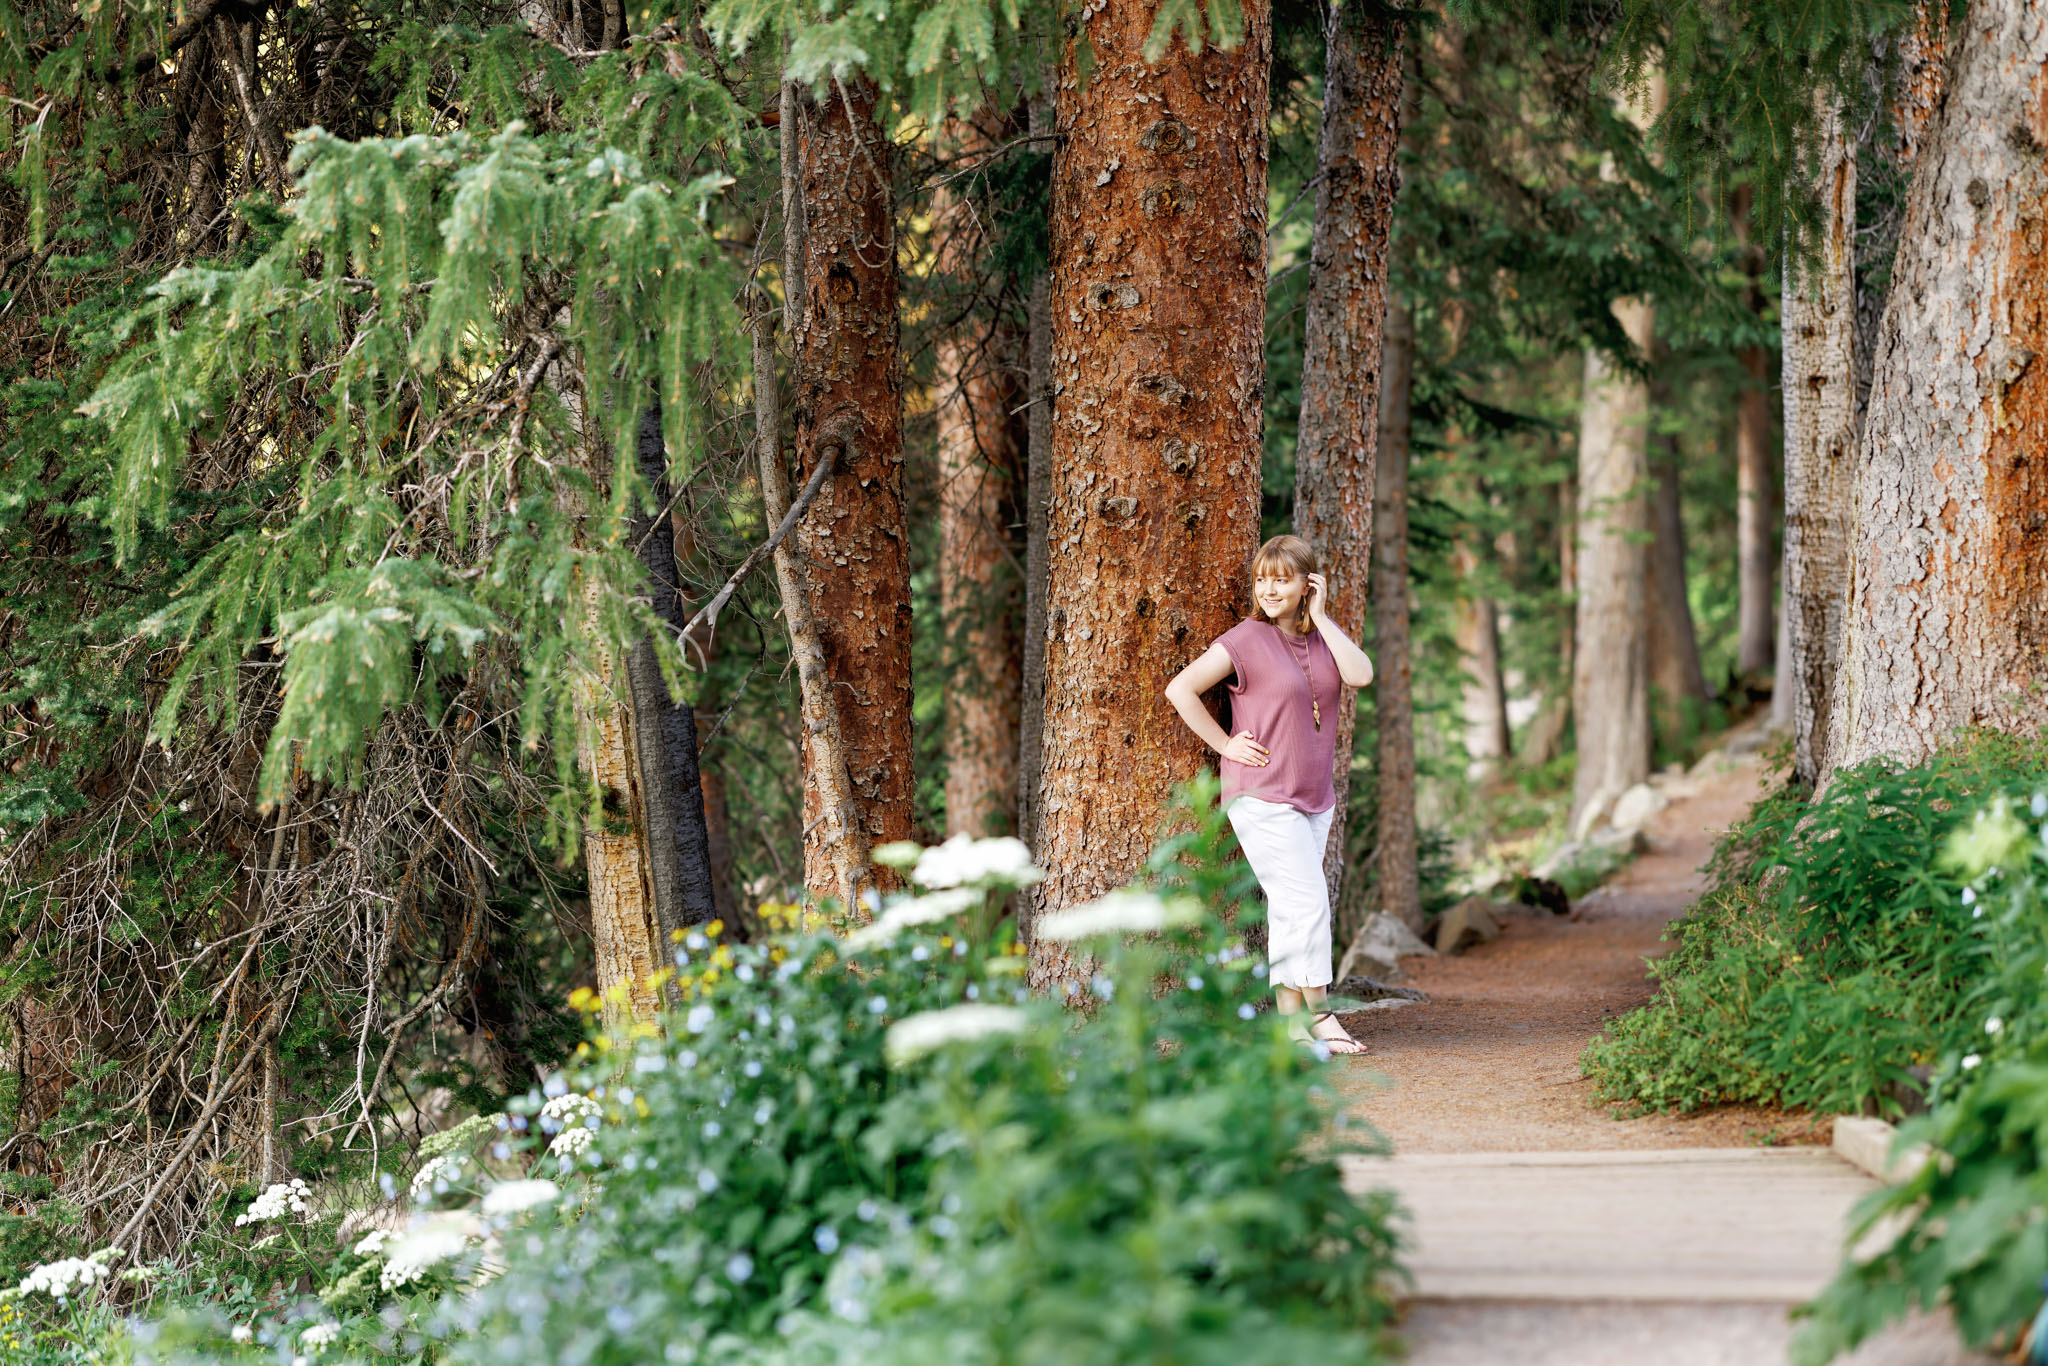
1545 1228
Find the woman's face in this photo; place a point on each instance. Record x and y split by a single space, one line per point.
1278 589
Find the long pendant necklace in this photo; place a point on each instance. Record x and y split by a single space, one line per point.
1315 703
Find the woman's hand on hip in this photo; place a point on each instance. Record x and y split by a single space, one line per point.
1242 749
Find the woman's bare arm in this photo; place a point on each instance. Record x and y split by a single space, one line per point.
1185 692
1352 664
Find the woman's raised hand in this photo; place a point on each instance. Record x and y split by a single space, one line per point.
1318 595
1245 750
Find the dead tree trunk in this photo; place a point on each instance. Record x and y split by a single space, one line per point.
1158 304
848 396
1948 604
1394 668
1347 305
1818 327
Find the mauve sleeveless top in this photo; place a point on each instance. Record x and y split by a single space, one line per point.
1270 698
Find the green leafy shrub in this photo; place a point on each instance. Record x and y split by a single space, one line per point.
1973 1236
883 1147
1831 961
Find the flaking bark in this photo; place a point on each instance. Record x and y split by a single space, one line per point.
1818 331
1948 604
1158 303
1347 306
847 394
1400 882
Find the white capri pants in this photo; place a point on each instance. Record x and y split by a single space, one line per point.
1285 847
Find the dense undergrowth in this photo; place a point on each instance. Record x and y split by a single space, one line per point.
1834 959
841 1148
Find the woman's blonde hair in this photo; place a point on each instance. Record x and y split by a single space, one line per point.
1294 555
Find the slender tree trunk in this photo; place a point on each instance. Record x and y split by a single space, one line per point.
1818 329
1948 604
848 397
679 848
1673 649
1347 305
976 390
1158 307
627 934
1755 610
1483 694
1394 681
1755 624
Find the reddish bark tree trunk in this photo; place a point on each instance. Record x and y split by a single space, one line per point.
1158 307
1347 305
978 590
1948 605
848 392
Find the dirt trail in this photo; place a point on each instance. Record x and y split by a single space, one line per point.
1491 1061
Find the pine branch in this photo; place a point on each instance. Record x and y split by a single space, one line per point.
195 23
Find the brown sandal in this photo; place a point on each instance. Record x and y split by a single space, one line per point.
1340 1045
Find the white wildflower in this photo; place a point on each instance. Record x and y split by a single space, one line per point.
61 1280
1970 1060
573 1111
1003 862
1993 1025
242 1332
1129 911
921 910
443 1171
572 1142
517 1197
371 1244
918 1035
414 1254
286 1197
319 1335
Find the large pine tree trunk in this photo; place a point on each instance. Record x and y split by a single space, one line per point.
847 384
1394 670
1948 604
1347 305
1610 673
975 391
1610 653
1818 328
1158 309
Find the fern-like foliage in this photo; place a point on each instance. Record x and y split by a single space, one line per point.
451 341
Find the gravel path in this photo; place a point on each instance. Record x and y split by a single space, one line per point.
1491 1062
1490 1066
